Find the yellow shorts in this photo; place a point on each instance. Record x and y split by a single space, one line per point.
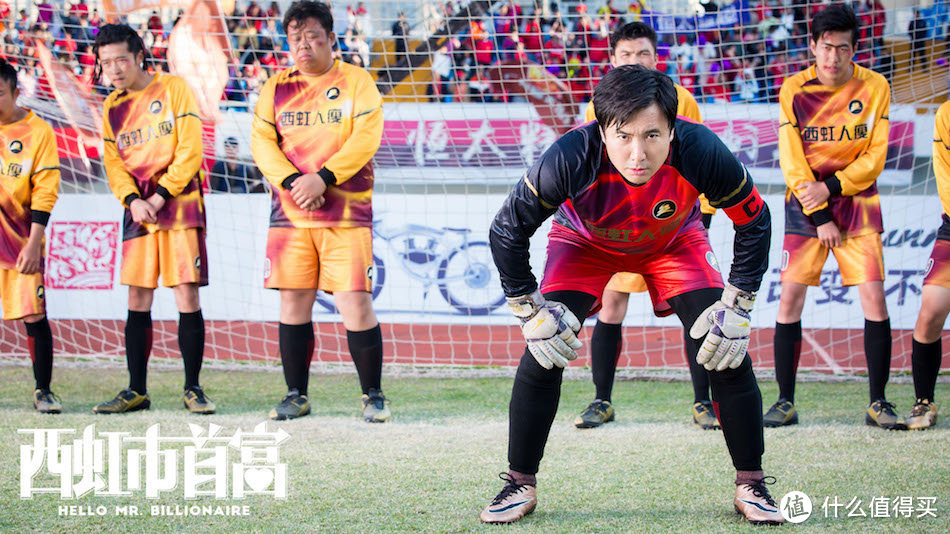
21 294
626 283
328 259
178 256
860 259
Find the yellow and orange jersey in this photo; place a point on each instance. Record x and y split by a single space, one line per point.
941 155
153 145
332 123
838 135
29 182
686 106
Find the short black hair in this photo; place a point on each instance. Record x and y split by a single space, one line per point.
119 33
302 10
8 74
835 18
629 89
631 31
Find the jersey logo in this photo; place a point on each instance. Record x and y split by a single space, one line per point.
198 262
40 292
664 209
266 268
855 107
155 107
333 93
784 266
930 266
369 273
711 260
16 146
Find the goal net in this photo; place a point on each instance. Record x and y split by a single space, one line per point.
474 92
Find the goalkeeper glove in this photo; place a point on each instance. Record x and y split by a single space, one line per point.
548 327
726 326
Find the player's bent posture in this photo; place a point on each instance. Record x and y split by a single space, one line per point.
316 129
833 131
623 191
152 136
635 44
29 181
935 306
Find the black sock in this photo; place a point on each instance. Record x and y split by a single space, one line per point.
366 349
698 374
191 342
877 350
605 345
296 351
787 349
138 348
534 399
925 366
738 405
39 338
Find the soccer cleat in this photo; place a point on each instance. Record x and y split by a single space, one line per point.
512 503
881 413
375 407
922 416
704 416
782 413
126 401
755 504
197 402
293 406
596 414
45 401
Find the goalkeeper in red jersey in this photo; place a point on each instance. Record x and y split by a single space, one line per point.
624 193
833 131
29 181
152 138
316 128
635 44
935 306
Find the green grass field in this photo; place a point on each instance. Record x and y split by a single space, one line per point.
433 468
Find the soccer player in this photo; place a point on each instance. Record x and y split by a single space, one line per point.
152 137
29 181
635 43
623 191
316 128
935 306
833 129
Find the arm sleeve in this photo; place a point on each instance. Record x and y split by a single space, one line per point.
941 155
120 181
589 113
188 155
535 198
861 173
687 106
366 136
45 177
728 185
265 148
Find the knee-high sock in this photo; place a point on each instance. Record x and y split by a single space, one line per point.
366 349
738 405
877 350
605 345
39 339
534 400
191 342
138 348
698 374
925 366
296 352
787 348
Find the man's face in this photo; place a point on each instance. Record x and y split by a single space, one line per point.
634 52
120 66
640 146
8 96
833 53
310 46
231 151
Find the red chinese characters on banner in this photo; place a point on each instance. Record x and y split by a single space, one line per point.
82 255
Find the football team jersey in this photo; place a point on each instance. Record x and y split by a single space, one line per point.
838 135
332 123
29 182
575 181
153 145
685 105
941 161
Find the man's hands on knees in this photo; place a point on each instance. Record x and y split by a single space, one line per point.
549 328
726 327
